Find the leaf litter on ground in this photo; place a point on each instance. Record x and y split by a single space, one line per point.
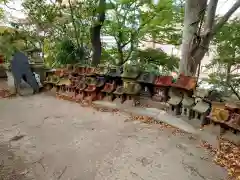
227 155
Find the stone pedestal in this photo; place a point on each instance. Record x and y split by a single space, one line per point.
3 73
39 69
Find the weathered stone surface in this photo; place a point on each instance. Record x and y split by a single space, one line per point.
80 143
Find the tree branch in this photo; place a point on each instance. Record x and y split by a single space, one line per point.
135 33
210 16
126 43
101 16
129 55
162 42
234 91
74 24
5 3
236 68
131 48
225 18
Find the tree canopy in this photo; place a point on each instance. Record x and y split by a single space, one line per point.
117 31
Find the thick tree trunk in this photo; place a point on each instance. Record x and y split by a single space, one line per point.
194 44
96 34
120 46
228 77
96 44
193 13
120 53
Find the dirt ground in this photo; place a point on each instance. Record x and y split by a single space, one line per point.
60 140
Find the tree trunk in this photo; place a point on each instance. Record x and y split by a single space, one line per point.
96 44
120 53
194 44
43 49
154 40
74 24
120 46
228 77
192 18
96 34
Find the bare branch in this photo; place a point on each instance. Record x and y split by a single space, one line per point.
135 33
74 24
117 41
236 68
225 18
210 16
163 41
126 43
234 91
131 50
11 8
128 56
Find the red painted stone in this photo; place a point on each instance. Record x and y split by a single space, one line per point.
80 70
1 59
109 87
90 88
185 82
90 70
163 81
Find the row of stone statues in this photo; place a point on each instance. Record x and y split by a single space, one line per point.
129 84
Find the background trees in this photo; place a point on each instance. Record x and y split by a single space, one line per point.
226 63
74 31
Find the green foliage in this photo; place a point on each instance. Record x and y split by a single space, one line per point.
109 56
158 57
227 58
218 81
122 24
68 52
132 22
157 61
41 13
62 30
227 42
1 8
10 41
165 27
1 13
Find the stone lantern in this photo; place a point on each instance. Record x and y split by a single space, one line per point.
37 63
3 73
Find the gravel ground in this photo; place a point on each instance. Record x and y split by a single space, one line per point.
45 138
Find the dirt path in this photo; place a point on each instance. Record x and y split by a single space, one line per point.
11 167
62 140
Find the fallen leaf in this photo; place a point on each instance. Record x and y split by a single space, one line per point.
227 156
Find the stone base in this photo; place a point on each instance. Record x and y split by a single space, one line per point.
3 73
148 102
118 101
108 98
129 103
3 83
